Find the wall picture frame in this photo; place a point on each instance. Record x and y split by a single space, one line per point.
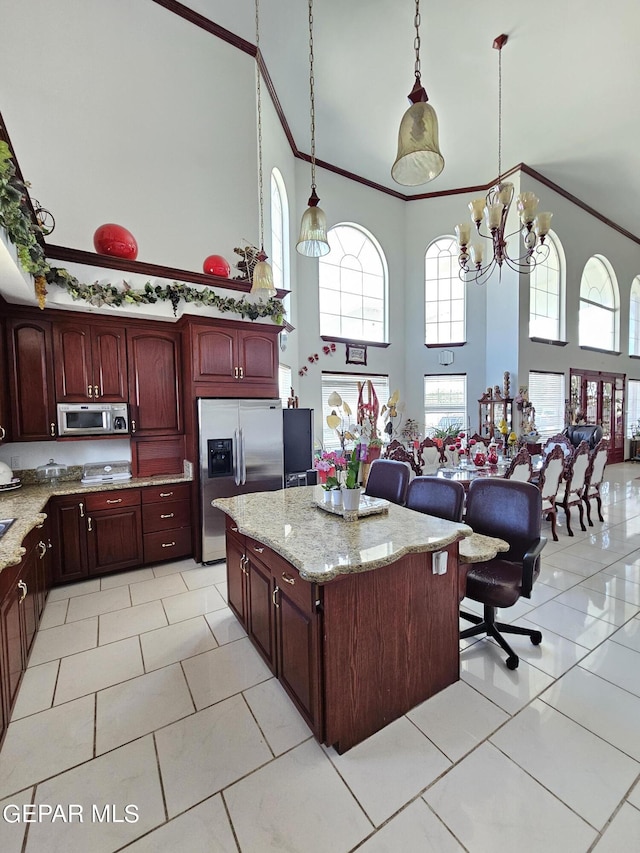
356 354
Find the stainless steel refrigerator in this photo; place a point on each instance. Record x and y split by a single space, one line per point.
240 452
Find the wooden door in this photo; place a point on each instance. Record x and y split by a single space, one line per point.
236 573
114 539
72 363
70 539
109 360
600 396
260 609
154 377
31 385
258 358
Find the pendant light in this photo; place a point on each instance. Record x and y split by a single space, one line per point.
419 159
262 279
312 241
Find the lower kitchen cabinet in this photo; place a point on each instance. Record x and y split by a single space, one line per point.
279 611
166 522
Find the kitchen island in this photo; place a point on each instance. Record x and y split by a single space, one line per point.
358 620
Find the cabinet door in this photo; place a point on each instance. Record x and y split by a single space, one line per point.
114 539
31 380
109 358
236 585
258 357
72 351
70 539
154 374
261 627
29 600
214 355
11 647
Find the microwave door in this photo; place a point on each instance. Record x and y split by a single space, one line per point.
85 421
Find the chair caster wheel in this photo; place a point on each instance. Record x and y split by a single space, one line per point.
536 638
512 662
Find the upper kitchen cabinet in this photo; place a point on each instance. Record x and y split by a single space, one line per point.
233 361
90 362
31 384
154 381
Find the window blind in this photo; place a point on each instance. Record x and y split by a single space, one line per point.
546 393
284 383
346 384
633 406
445 402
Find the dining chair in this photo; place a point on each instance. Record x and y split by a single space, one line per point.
549 482
428 456
594 478
572 489
388 479
558 440
436 496
520 468
399 453
450 454
512 511
481 443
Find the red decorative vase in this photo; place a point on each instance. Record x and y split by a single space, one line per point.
216 265
479 460
112 239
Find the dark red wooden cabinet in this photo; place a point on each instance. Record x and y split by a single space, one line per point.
90 362
5 428
154 381
31 383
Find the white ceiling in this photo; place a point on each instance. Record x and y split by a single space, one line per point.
570 73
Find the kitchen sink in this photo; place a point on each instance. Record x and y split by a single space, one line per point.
5 524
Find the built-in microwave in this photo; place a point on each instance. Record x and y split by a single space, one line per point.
93 419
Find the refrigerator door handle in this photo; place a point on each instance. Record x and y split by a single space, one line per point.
236 458
244 460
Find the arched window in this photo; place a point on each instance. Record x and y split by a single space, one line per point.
634 317
598 322
546 289
353 286
279 231
444 294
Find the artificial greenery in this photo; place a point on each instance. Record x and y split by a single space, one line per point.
24 233
353 469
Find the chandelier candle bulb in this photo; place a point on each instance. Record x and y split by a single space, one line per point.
527 205
477 254
542 224
463 233
493 212
505 193
477 209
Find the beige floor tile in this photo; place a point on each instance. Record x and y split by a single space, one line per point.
141 705
131 621
54 614
197 602
157 588
125 777
96 603
64 640
622 834
71 590
205 576
277 716
416 828
44 744
224 671
125 578
176 642
225 626
203 753
98 668
174 567
297 802
12 827
36 690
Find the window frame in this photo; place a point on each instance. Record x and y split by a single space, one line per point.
444 411
335 381
441 302
279 231
560 277
611 311
634 321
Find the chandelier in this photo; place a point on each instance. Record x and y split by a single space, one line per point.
494 210
312 241
262 279
419 159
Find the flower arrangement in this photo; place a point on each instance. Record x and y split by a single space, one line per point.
353 470
326 464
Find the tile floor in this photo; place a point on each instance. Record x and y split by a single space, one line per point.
144 691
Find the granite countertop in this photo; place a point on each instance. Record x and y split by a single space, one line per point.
322 546
26 505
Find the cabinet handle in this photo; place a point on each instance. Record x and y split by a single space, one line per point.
259 550
165 494
89 527
241 372
22 586
133 426
43 549
243 565
117 501
81 508
3 433
52 429
235 373
90 390
168 544
96 391
287 578
235 529
276 590
167 515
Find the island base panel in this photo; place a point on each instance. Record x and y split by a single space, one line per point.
390 641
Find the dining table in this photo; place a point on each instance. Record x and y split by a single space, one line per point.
465 474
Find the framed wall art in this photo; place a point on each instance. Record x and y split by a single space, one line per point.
356 353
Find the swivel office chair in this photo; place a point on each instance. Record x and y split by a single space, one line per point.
509 510
388 479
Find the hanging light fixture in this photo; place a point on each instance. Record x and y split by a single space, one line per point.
312 241
494 209
262 279
419 159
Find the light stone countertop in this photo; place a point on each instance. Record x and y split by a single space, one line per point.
27 503
322 546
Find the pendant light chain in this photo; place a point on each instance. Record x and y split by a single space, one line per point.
416 41
258 58
313 100
499 115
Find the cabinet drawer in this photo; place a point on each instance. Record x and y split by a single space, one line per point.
163 516
170 492
167 544
112 500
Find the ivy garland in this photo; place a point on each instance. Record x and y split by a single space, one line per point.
25 234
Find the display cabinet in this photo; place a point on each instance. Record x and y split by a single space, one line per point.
492 409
